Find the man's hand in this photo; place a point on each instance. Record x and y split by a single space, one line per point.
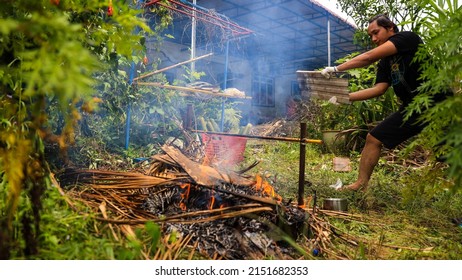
326 72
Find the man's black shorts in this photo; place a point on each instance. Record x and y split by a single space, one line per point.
393 130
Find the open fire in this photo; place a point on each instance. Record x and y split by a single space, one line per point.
226 214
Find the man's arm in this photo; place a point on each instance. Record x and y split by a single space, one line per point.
369 57
375 91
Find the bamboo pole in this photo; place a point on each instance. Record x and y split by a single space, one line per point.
171 66
287 139
209 92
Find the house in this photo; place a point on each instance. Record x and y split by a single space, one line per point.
257 46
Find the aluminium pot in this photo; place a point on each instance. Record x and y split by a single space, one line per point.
335 204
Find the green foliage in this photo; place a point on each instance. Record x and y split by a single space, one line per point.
150 108
68 235
403 13
441 30
48 56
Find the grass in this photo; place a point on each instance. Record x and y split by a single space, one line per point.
405 214
408 209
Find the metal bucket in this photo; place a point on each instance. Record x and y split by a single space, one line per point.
335 204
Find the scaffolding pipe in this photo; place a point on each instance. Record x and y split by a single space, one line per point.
193 39
227 23
129 106
328 42
225 85
221 22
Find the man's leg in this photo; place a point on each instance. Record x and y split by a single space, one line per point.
369 159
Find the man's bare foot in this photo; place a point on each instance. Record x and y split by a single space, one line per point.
356 186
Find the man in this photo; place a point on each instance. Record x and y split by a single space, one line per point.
397 68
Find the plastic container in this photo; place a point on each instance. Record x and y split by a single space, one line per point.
223 150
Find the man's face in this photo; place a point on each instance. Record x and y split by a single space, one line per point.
379 34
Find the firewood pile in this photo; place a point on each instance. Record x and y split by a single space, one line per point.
225 214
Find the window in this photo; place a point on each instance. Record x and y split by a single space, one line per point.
295 88
263 92
221 80
170 77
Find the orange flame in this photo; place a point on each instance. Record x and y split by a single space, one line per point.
306 203
303 205
184 195
212 201
183 206
266 188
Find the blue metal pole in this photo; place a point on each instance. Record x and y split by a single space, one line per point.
129 106
224 87
129 109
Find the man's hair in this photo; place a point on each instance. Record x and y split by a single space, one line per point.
384 21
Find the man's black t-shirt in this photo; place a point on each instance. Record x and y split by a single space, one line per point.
399 70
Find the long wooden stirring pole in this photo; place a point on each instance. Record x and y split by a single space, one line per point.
170 67
287 139
301 174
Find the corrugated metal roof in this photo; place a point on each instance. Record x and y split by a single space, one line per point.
288 34
328 6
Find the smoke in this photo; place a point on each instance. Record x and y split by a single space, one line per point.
287 36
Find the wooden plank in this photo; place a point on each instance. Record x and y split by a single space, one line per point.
341 98
318 75
331 91
343 82
328 89
313 83
310 74
315 77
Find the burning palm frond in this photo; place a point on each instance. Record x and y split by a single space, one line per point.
118 180
219 212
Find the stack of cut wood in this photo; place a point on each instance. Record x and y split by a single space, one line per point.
314 84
